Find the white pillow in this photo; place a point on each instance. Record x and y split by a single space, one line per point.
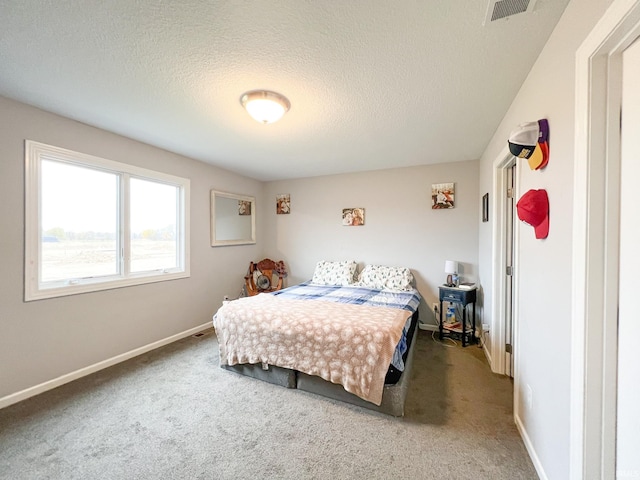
381 277
334 273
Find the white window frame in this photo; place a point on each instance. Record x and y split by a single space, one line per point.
35 152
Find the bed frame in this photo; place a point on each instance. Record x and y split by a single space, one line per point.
393 396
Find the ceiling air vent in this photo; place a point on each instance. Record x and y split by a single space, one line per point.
498 9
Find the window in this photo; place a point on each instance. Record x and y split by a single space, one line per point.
94 224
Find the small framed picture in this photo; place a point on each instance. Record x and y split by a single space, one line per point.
244 207
485 207
442 195
283 204
353 217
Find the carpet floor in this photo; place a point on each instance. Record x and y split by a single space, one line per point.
174 414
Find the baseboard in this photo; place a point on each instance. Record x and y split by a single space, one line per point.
487 352
530 450
69 377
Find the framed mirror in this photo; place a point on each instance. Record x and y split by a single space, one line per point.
233 219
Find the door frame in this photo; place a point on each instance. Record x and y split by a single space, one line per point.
598 94
498 328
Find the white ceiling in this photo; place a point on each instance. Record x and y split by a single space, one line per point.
373 84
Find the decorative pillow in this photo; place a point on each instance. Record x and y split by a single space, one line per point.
334 273
382 277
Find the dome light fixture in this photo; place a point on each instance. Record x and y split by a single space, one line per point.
265 106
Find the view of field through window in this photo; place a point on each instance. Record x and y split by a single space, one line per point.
153 225
79 223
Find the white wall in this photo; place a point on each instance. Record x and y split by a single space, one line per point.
400 226
42 340
543 346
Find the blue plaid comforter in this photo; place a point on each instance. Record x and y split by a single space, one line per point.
360 296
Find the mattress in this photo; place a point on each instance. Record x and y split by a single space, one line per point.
354 295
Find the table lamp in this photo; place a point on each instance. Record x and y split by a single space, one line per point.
451 268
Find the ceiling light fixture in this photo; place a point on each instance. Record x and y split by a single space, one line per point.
265 106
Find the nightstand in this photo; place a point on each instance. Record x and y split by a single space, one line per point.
464 298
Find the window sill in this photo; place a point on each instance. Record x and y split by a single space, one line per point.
97 285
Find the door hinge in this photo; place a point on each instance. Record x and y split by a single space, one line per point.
508 348
509 192
509 271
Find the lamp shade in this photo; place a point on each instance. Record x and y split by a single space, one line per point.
265 106
450 266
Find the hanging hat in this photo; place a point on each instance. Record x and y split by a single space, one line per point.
531 141
533 208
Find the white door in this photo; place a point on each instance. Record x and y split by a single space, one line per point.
628 411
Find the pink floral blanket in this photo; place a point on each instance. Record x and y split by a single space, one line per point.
351 345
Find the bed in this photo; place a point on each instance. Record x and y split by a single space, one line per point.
336 336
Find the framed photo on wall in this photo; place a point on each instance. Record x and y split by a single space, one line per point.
485 207
244 207
353 217
442 195
283 204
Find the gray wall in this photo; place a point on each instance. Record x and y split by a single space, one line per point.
400 226
42 340
543 353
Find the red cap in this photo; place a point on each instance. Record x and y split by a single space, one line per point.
533 208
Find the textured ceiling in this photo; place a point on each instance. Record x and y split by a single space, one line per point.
373 84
